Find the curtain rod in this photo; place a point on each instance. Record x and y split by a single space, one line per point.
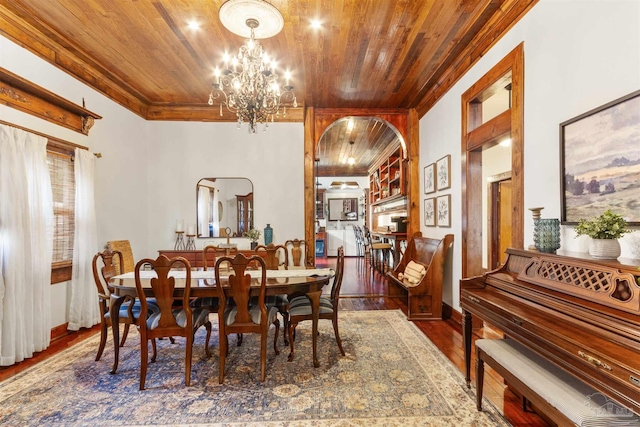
54 140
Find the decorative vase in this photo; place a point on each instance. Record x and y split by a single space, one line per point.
604 248
546 235
254 245
268 234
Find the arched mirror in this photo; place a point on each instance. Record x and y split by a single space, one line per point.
224 207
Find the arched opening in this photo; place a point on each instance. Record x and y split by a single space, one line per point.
400 126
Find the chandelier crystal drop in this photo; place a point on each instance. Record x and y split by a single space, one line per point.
248 85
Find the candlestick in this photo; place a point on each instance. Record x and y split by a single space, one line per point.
179 241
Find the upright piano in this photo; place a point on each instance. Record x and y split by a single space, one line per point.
580 313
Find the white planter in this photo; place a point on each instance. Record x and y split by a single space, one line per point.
604 248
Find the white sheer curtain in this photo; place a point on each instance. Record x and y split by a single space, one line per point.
83 308
26 245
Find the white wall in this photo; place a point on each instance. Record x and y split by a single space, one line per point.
578 55
181 153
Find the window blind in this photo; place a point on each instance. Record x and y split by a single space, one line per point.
63 189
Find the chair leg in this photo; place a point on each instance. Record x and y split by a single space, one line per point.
103 339
239 342
275 337
144 355
335 330
292 330
124 335
155 350
263 356
285 325
187 360
206 344
224 344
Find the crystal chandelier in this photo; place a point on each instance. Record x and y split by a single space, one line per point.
248 85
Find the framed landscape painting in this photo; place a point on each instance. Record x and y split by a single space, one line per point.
430 212
600 162
430 178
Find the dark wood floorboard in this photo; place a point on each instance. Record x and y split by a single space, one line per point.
362 290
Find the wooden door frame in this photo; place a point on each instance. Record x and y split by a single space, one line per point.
405 121
475 137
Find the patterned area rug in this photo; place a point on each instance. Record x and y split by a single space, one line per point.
391 376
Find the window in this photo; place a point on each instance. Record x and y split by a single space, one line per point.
63 188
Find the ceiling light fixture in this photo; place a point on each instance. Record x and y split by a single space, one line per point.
351 160
250 88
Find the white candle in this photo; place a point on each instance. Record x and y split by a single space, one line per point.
179 225
191 230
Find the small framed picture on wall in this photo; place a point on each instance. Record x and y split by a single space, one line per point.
430 212
430 178
443 211
443 173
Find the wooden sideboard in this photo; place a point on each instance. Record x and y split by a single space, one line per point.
195 257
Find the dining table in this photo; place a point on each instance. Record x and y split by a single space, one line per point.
309 282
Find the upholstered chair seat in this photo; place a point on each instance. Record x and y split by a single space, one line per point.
200 317
256 315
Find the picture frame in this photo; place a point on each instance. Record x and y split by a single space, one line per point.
600 161
443 173
430 212
430 178
443 211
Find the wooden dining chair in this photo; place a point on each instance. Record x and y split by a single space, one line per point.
300 307
169 321
236 315
275 258
124 247
298 252
130 309
209 254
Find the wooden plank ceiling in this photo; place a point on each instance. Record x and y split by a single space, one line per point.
368 54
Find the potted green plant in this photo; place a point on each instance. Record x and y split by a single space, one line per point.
604 230
253 235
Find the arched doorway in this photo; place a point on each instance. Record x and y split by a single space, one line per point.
404 122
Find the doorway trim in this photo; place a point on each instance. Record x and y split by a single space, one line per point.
475 137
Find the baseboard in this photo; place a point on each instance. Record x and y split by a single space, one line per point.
448 313
60 331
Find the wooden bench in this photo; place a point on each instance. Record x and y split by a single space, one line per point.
424 299
561 397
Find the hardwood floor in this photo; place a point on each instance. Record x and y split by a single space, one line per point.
363 291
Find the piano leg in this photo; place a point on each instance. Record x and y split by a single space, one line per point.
466 336
479 382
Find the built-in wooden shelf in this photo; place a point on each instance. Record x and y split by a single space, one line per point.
30 98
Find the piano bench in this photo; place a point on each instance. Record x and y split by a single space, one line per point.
564 399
